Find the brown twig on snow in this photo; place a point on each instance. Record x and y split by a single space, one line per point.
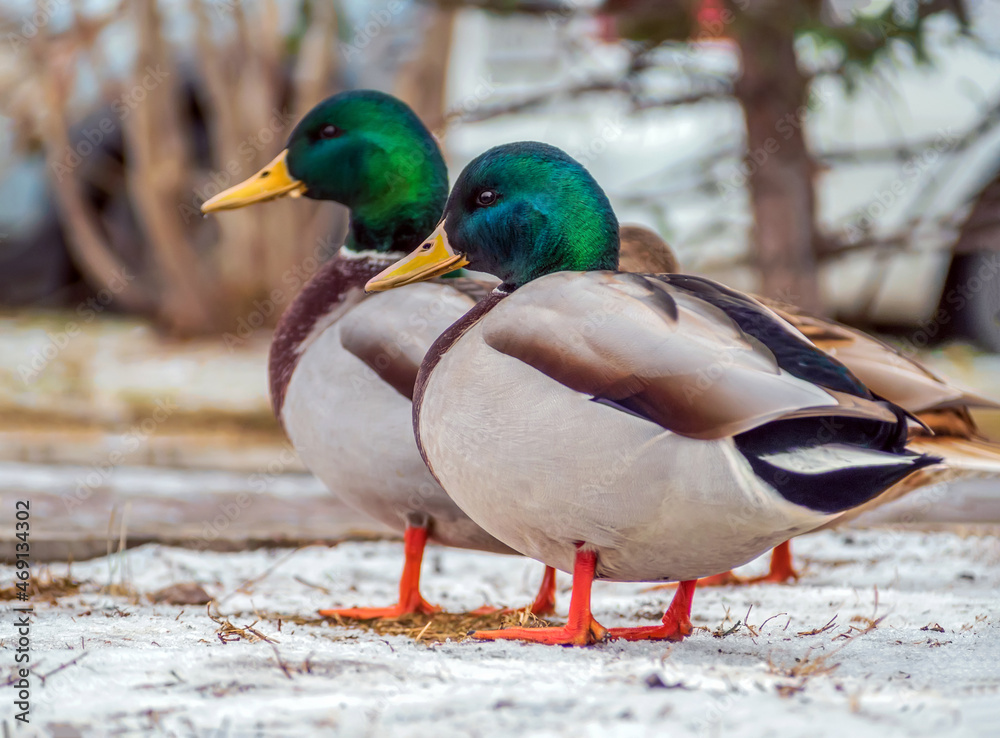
311 585
802 671
227 632
817 631
870 623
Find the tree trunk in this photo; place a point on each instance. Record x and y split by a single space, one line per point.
421 82
773 94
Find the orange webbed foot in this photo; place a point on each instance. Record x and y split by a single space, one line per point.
581 628
410 600
422 607
781 571
582 634
676 624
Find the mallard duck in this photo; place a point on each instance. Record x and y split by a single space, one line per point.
629 427
350 425
947 429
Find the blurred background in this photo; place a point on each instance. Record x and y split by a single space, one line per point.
842 155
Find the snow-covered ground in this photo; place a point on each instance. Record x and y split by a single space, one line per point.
888 633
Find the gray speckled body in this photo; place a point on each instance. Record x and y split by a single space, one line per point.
351 428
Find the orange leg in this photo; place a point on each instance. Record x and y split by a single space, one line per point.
676 620
724 579
410 600
544 604
580 630
781 572
545 600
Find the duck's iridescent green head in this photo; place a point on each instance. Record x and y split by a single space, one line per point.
366 150
519 211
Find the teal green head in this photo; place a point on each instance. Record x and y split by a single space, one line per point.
519 211
366 150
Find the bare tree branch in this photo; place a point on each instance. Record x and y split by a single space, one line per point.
158 162
624 86
98 263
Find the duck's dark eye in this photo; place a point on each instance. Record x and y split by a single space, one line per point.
486 198
329 131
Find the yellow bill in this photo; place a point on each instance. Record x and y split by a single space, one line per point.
271 182
431 259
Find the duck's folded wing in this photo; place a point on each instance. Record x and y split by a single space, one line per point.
684 352
886 371
391 333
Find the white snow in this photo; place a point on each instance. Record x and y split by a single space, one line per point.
144 669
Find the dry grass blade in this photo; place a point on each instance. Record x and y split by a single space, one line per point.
442 626
870 623
760 627
746 621
227 632
817 631
853 631
810 666
281 662
522 618
720 633
59 668
311 585
802 671
13 676
246 586
422 631
44 585
119 574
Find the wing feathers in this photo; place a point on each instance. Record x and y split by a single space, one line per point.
664 352
888 372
